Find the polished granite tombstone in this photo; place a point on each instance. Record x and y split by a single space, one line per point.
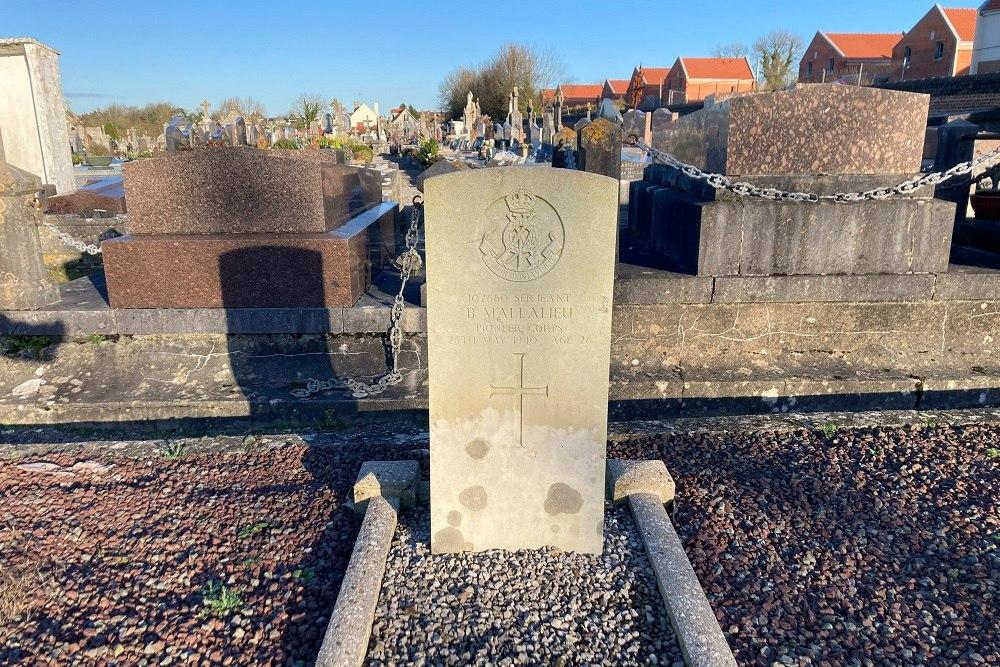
331 269
244 227
811 129
106 194
822 139
520 273
245 190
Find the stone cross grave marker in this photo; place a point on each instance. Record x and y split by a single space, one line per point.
520 266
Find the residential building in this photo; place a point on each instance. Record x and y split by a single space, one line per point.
694 79
575 94
854 57
986 48
646 87
403 122
940 44
364 118
615 89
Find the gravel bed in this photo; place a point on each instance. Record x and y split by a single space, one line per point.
520 608
107 558
863 547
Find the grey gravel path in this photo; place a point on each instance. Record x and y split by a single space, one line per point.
520 608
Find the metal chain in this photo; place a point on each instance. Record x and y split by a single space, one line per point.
408 263
743 189
81 246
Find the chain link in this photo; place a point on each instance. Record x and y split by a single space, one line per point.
81 246
408 263
743 189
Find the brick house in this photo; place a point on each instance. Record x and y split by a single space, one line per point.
986 51
645 88
615 89
940 44
834 56
575 95
694 79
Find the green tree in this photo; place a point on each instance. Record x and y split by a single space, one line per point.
307 110
777 52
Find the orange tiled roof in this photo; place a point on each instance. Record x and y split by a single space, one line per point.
655 75
864 45
718 68
619 86
580 91
963 20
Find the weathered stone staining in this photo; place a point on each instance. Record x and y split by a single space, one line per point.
24 282
520 273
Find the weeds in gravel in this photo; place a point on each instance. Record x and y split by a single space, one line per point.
252 529
929 423
219 600
175 451
24 346
16 590
96 339
305 575
993 453
829 429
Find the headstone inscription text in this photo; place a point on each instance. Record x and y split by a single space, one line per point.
520 281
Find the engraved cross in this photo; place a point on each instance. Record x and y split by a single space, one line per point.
520 391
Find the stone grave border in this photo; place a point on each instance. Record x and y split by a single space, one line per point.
383 487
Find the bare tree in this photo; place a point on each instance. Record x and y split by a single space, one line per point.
528 67
777 52
247 107
453 90
732 50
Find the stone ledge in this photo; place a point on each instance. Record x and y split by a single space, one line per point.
396 480
848 288
626 478
701 639
345 643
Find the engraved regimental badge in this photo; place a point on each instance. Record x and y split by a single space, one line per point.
524 237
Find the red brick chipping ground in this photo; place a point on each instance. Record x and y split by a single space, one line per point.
873 547
868 547
126 555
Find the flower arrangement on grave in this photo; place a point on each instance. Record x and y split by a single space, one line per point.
428 153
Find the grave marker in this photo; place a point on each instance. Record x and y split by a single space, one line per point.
520 282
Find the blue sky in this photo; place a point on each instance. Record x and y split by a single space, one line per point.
188 50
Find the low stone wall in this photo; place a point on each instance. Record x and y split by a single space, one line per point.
681 345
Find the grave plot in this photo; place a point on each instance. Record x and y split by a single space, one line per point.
521 607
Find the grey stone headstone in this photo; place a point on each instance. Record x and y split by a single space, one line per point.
601 148
25 283
608 110
659 125
634 122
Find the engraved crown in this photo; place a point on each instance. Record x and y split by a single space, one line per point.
520 201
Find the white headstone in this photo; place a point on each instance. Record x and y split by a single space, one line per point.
520 276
